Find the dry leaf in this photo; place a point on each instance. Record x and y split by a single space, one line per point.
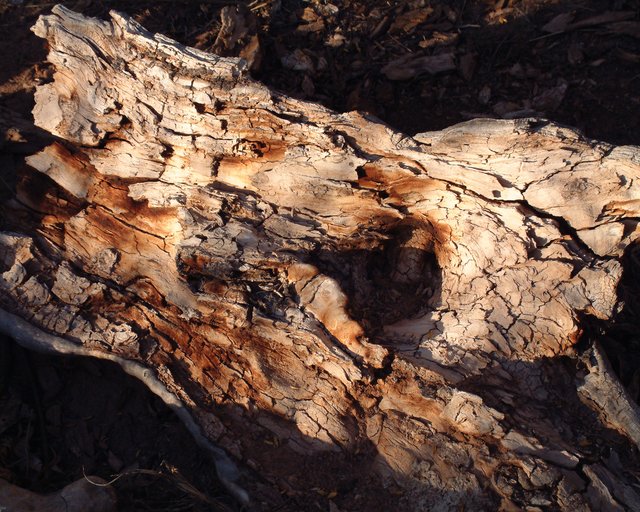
550 99
440 39
234 28
333 507
408 21
627 28
606 17
467 65
380 28
327 9
313 22
237 36
559 23
298 61
316 26
522 113
575 54
309 15
628 56
517 71
307 86
409 66
562 22
484 95
503 108
252 53
335 40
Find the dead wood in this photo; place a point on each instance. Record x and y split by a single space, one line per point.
327 299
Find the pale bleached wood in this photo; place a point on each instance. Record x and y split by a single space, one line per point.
317 287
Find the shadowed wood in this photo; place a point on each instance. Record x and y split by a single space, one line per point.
323 295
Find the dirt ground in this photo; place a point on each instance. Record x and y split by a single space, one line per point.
419 65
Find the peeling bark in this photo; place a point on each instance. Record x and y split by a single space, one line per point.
334 303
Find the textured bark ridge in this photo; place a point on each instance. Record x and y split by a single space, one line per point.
336 304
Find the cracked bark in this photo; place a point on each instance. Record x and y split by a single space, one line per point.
324 298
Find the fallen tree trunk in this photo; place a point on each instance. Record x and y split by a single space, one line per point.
342 308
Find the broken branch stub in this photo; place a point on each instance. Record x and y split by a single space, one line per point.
330 300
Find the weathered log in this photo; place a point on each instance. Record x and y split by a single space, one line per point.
334 303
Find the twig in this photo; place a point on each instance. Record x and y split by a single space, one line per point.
107 484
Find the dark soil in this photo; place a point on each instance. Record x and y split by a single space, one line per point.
574 62
64 418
